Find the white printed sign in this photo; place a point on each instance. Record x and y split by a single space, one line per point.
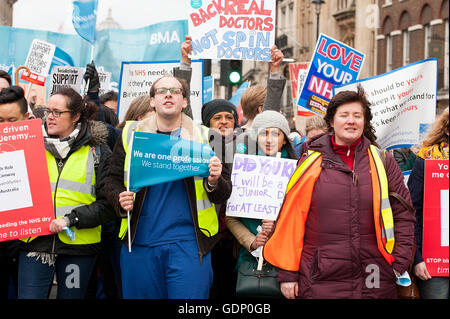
403 102
66 76
105 79
14 186
259 185
38 61
136 79
236 30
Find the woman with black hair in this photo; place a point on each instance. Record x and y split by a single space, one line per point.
77 160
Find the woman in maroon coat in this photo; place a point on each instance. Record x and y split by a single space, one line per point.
340 256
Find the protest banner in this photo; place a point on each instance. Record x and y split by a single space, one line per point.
26 207
435 217
39 59
259 185
236 30
403 102
297 75
155 42
136 78
333 63
65 76
159 158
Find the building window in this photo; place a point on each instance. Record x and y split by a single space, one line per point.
283 21
342 4
388 53
446 66
405 35
427 43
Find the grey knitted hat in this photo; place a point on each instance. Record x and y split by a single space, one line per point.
268 119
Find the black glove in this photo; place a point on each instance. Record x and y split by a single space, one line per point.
92 75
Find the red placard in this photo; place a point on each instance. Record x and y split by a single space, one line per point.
26 207
33 78
435 217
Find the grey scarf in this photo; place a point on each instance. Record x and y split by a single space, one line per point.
60 147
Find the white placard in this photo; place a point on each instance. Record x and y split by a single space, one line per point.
233 30
136 79
259 185
66 76
14 185
105 79
403 102
40 57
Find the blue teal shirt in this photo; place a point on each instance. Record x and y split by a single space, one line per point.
166 214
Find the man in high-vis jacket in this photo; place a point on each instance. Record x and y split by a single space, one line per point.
173 225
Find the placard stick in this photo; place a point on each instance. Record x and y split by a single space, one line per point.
261 258
128 189
86 86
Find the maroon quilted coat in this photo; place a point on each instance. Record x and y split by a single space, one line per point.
340 258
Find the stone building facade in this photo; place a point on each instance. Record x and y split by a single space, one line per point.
413 30
6 12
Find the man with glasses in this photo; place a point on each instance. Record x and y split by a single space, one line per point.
173 224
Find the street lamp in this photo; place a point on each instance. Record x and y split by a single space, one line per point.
317 4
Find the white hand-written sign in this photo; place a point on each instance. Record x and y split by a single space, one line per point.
259 185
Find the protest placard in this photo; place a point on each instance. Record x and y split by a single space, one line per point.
65 76
259 185
236 30
403 102
136 78
333 63
38 61
435 217
160 158
105 79
26 207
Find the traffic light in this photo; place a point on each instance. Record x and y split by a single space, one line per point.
230 72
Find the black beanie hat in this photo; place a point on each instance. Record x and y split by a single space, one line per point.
215 106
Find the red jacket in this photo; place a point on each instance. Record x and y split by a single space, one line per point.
340 258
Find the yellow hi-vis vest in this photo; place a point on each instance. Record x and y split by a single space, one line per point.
74 187
288 256
206 212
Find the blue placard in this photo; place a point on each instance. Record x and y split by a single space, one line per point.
333 63
159 158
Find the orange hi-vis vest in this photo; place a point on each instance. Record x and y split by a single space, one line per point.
284 248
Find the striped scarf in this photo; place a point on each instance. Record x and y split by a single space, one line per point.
60 147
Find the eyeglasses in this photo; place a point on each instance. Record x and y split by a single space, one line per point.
171 90
54 113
